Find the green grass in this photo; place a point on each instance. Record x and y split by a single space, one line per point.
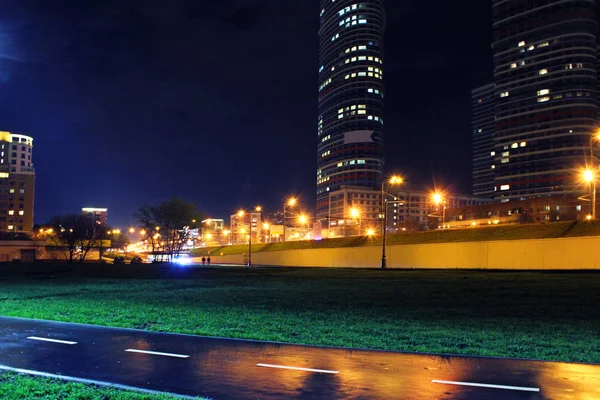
20 386
484 233
541 315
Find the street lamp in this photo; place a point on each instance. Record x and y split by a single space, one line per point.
291 202
439 199
590 177
394 180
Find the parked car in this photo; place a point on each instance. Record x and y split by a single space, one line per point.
119 260
136 260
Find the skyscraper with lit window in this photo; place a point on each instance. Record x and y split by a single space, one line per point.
17 183
546 106
483 141
351 93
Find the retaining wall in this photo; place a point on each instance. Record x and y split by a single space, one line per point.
560 254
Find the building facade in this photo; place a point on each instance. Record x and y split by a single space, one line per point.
483 141
419 212
546 109
353 210
534 210
244 224
98 216
17 183
351 93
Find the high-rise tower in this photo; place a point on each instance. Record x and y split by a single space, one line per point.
545 95
17 183
351 93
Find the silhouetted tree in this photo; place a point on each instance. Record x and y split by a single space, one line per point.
168 225
73 235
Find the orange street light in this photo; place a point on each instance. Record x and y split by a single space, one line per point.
258 209
241 213
354 212
303 219
394 180
131 230
370 232
143 232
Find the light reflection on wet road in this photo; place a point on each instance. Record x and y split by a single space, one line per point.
236 369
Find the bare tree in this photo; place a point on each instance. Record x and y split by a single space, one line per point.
168 226
74 236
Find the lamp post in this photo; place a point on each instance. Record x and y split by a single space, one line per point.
592 179
439 199
303 219
394 180
291 202
590 176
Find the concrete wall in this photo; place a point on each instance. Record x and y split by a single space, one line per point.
565 253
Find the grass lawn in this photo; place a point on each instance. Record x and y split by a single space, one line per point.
20 386
551 316
483 233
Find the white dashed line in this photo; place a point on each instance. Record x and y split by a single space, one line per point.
51 340
323 371
485 385
156 353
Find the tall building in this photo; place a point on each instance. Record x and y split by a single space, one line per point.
483 141
97 215
545 95
17 183
351 92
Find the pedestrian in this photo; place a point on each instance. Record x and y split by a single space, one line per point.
203 260
208 260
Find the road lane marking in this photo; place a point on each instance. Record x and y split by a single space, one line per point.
157 353
323 371
51 340
485 385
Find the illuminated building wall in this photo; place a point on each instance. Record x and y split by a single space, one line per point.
17 183
350 93
545 94
97 215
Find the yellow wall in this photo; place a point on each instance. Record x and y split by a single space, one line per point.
567 253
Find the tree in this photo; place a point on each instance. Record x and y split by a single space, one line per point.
168 226
74 235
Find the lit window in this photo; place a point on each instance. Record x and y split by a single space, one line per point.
11 227
523 144
493 167
514 145
543 99
505 187
505 154
578 208
21 212
532 47
11 212
521 43
543 71
505 160
513 65
543 92
4 174
504 94
493 153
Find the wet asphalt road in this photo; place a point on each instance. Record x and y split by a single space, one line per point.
237 369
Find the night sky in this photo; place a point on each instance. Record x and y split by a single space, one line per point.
137 101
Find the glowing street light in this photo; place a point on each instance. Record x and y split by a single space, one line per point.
241 213
370 232
258 209
394 180
291 202
302 219
355 214
143 232
266 226
589 176
131 230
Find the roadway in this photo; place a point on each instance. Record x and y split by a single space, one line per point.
239 369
